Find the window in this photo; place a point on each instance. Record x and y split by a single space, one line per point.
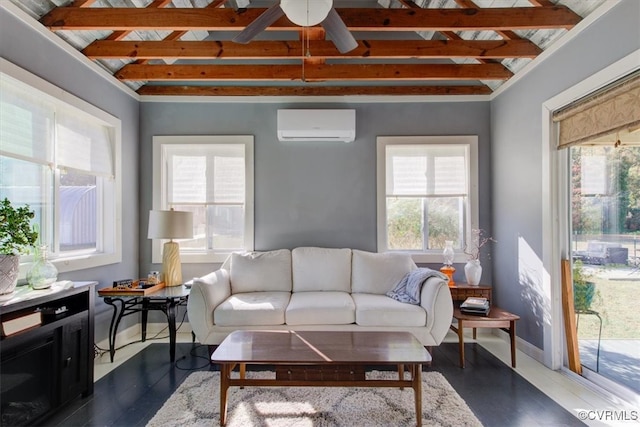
427 194
62 159
211 176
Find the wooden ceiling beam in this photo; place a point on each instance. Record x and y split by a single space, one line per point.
320 72
105 49
223 19
176 90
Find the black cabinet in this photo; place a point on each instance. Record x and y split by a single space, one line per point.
46 366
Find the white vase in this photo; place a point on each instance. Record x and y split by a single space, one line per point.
473 272
9 267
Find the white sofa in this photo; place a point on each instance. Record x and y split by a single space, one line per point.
313 288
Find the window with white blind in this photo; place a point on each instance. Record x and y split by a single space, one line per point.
211 176
427 194
60 157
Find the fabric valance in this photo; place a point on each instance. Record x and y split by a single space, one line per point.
616 108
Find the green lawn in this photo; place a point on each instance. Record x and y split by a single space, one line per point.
618 307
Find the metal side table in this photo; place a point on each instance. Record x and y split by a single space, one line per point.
166 300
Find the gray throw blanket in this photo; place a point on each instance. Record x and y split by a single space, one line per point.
408 289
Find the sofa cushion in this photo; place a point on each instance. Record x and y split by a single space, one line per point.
253 308
261 271
380 310
378 273
320 308
321 269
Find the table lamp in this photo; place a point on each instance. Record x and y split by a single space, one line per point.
448 254
171 225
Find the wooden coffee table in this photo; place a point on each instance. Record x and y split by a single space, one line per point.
320 359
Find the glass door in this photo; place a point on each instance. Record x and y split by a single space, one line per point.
605 251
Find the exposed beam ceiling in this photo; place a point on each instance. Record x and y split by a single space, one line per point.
415 47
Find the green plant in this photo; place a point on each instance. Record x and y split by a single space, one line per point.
584 291
17 235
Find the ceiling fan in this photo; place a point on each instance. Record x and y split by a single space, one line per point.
305 13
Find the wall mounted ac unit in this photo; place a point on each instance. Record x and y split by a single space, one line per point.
317 125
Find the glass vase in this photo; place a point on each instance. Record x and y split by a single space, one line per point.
43 273
448 253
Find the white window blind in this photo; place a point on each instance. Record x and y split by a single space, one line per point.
80 142
27 123
424 171
206 174
83 144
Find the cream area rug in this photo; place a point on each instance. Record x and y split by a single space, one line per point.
196 403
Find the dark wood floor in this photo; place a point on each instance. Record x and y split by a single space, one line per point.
131 394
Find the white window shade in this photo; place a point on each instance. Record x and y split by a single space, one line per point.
188 180
228 183
83 144
211 174
27 123
426 171
450 175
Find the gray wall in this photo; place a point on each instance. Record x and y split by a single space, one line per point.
516 125
30 50
314 193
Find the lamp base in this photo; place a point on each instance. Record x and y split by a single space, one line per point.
448 270
171 266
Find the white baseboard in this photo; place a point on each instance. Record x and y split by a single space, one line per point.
133 333
522 345
155 328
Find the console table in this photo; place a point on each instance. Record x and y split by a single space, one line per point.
166 300
47 365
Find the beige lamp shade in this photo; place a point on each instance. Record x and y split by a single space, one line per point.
171 225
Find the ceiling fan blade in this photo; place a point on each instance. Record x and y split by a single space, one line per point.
259 24
339 33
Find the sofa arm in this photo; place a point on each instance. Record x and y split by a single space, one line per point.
435 298
206 294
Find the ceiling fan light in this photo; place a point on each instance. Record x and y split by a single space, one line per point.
306 13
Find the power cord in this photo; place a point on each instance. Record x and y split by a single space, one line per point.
196 356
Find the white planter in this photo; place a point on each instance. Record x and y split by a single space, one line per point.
473 272
9 268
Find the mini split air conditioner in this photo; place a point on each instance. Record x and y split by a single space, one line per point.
317 125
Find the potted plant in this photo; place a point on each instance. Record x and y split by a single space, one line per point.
584 290
17 236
